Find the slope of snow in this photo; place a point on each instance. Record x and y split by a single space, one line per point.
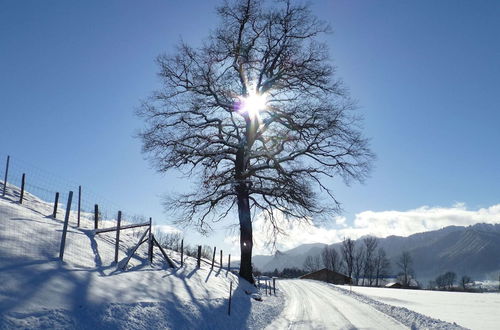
470 310
87 290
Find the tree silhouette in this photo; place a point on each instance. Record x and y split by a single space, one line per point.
258 117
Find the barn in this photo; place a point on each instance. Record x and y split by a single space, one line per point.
327 275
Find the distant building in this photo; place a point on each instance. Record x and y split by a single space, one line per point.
396 285
327 275
399 284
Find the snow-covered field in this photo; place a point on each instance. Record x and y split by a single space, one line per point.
470 310
86 291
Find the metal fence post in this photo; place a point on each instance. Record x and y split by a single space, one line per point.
56 202
150 241
199 257
65 227
213 259
6 174
22 189
182 252
79 204
117 243
96 216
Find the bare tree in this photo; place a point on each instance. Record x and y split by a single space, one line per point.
331 258
348 255
464 281
370 244
258 116
382 265
170 241
359 259
405 265
312 264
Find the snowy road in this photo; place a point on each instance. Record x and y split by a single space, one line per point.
315 305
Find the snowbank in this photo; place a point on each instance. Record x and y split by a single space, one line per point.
88 290
471 310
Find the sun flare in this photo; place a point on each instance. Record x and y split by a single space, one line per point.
253 103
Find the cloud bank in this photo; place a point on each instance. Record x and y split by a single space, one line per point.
380 224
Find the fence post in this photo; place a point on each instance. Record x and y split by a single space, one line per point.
22 189
182 252
230 293
65 227
199 257
56 202
96 215
6 174
213 259
229 263
274 286
79 204
220 258
150 241
117 242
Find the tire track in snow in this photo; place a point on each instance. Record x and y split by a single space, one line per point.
315 305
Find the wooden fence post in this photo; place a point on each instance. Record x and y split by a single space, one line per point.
65 227
5 177
150 241
220 258
199 257
56 202
229 263
230 294
274 285
117 242
182 252
79 204
22 189
213 259
96 216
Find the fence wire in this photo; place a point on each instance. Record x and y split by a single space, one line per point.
32 228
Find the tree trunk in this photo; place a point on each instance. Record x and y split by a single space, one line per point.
246 238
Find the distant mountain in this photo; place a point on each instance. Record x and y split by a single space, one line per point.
472 250
291 258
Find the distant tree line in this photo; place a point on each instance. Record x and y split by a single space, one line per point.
446 282
363 261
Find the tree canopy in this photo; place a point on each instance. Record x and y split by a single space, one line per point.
257 115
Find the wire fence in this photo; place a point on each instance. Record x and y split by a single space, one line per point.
33 206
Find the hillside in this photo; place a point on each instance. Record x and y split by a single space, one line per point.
87 290
472 250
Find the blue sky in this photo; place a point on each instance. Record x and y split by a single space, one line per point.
426 75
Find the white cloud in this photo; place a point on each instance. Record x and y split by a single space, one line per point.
380 224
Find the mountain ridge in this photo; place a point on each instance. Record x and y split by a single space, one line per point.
467 250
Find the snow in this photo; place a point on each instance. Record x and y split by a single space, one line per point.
87 290
317 305
470 310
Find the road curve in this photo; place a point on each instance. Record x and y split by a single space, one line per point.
315 305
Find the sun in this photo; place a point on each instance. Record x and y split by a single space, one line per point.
253 104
